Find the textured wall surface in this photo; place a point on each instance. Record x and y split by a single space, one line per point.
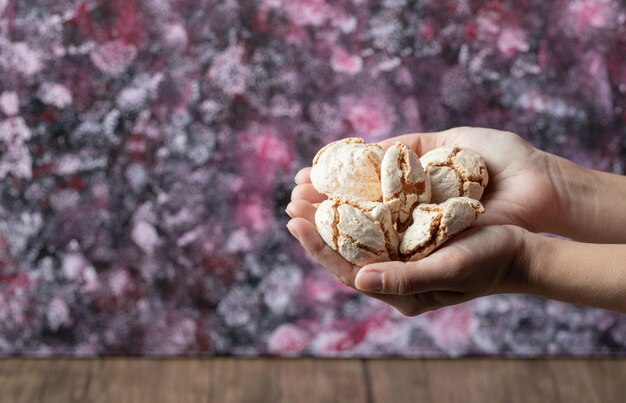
147 149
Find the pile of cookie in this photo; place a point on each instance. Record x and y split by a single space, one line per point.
394 205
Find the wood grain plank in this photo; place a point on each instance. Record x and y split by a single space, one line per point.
67 381
35 380
609 378
399 380
233 380
593 381
574 381
259 380
148 380
323 381
17 382
469 381
475 380
528 381
243 381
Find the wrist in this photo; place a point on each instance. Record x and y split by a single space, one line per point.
517 278
575 193
531 267
573 272
531 259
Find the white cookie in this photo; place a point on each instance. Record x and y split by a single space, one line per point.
434 224
348 167
404 183
360 230
455 172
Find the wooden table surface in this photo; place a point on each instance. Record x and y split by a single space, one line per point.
309 380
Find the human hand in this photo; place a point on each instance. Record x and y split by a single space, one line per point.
517 174
478 262
522 189
529 188
482 261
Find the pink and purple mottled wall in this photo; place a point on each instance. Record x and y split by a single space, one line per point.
147 149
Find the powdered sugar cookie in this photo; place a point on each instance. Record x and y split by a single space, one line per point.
348 167
455 172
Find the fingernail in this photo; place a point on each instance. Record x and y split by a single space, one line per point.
292 230
369 281
288 210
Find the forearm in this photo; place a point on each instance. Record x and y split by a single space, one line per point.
580 273
592 204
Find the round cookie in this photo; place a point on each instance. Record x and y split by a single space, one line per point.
434 224
455 172
360 230
404 183
348 167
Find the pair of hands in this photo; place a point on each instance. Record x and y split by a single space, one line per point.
486 259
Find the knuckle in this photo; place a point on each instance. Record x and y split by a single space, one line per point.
458 276
455 267
403 284
454 273
316 250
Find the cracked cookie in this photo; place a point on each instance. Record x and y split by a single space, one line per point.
434 224
348 167
455 172
360 230
404 183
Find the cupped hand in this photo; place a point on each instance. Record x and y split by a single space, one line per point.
521 191
478 262
483 261
475 263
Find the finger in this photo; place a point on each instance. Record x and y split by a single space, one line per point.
303 176
421 143
431 273
302 209
313 243
307 192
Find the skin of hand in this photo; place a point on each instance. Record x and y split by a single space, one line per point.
478 262
519 191
481 261
528 188
581 273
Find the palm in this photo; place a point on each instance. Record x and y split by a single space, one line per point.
519 191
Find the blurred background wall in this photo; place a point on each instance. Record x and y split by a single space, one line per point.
147 149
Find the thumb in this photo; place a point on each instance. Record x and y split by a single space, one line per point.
404 278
